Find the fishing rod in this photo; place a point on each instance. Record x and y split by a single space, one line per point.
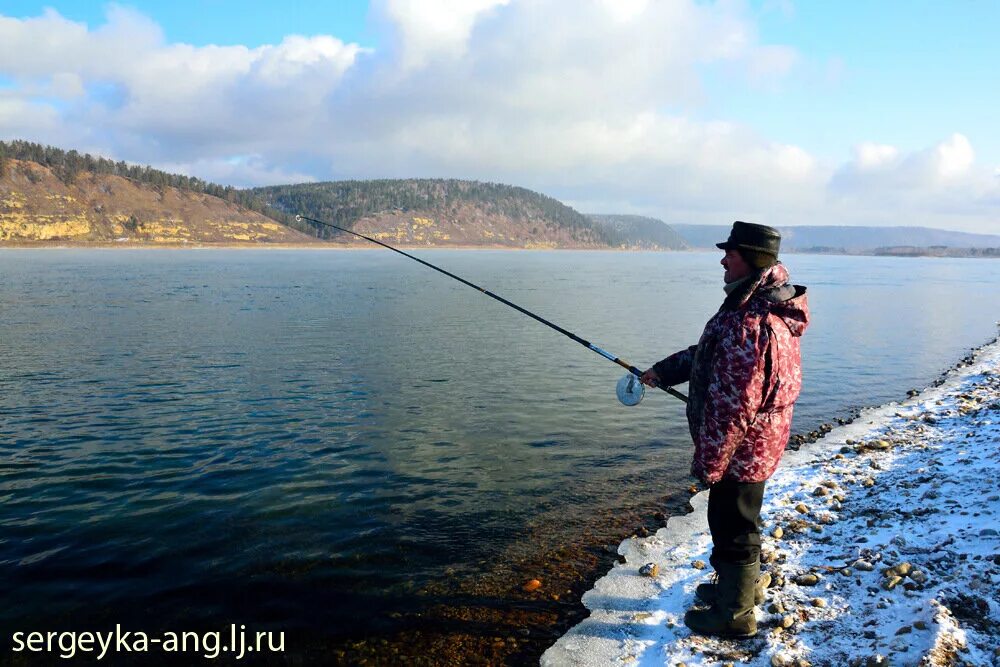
630 390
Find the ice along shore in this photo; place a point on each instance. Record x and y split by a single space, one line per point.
881 542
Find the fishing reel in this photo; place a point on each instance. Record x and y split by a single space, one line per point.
630 390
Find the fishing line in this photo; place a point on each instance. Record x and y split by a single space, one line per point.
629 390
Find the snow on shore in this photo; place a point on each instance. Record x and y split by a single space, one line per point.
881 541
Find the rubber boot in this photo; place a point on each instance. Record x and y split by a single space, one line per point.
732 615
707 592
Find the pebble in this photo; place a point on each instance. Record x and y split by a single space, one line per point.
801 508
820 491
868 482
532 585
920 625
649 570
698 564
905 630
777 533
818 602
863 565
891 582
807 579
781 660
787 621
919 576
846 572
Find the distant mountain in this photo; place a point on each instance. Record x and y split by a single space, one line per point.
438 212
641 232
844 239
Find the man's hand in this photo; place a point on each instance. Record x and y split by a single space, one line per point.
650 378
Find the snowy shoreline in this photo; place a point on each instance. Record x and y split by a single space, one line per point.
881 540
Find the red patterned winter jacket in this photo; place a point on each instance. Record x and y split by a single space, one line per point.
745 374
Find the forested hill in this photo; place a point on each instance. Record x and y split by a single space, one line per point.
441 213
50 196
637 231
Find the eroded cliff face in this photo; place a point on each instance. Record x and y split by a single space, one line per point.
97 209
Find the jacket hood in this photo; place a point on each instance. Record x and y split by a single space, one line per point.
771 289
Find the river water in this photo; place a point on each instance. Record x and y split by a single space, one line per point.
329 442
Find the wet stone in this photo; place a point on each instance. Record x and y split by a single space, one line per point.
698 564
649 570
889 583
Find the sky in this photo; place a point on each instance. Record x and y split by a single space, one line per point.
774 111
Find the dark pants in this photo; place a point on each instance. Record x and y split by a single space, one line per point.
734 519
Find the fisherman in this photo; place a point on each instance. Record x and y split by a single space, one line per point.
744 376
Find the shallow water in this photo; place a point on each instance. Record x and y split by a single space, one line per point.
300 439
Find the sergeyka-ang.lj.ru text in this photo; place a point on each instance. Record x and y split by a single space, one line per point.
236 643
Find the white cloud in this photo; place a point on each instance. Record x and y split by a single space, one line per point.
432 28
954 157
596 103
869 156
937 186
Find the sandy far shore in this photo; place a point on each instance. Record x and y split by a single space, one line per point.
880 541
300 246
